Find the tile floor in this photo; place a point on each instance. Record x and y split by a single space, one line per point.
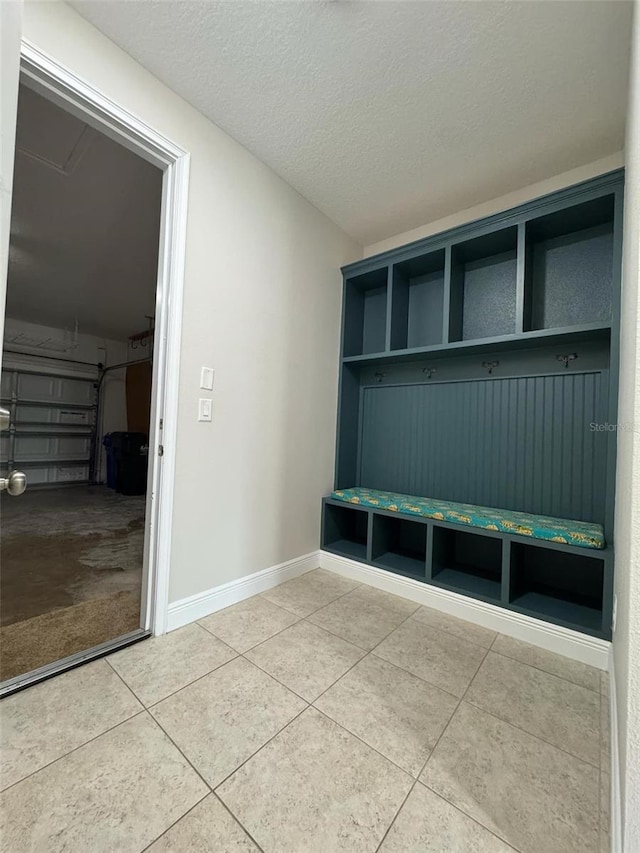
320 716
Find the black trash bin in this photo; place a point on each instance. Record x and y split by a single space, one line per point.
127 459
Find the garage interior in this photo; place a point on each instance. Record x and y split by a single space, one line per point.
77 366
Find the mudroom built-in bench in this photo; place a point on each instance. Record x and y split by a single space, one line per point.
478 387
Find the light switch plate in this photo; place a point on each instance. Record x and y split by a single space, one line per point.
205 409
207 375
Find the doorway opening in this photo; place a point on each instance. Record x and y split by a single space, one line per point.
89 376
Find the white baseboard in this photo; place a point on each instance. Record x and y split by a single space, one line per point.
202 604
553 638
616 802
563 641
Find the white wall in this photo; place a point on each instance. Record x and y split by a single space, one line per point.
496 205
261 306
626 642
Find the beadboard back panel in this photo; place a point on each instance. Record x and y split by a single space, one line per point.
525 443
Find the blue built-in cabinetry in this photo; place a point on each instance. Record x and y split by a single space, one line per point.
480 365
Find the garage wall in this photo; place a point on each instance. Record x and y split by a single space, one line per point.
261 306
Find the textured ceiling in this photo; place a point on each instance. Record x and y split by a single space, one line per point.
390 115
84 226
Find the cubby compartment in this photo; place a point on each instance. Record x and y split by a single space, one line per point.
418 302
556 585
365 313
467 562
344 531
400 544
483 286
569 266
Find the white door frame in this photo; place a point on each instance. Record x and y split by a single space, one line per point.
46 76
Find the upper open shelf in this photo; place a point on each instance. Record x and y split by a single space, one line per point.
418 302
544 277
483 286
569 266
365 313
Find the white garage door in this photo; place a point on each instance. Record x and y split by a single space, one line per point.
53 426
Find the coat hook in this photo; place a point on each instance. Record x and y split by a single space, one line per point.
489 365
378 376
567 358
429 371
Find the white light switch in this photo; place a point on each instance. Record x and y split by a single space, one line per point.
205 409
206 378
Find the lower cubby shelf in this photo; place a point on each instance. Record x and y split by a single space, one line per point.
400 545
545 605
345 531
556 585
564 586
467 562
469 583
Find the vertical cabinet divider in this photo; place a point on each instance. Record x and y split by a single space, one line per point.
388 331
446 311
521 283
506 572
429 561
370 536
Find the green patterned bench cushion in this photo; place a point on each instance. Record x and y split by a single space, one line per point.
584 534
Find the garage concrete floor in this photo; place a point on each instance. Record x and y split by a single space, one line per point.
71 572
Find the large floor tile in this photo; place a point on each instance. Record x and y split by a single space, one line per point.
155 668
314 788
207 828
534 796
429 824
45 722
556 710
571 670
372 595
222 719
359 618
248 623
309 592
458 627
118 792
440 658
306 658
393 711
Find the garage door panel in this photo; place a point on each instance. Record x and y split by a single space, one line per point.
42 447
42 475
63 415
53 423
40 388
